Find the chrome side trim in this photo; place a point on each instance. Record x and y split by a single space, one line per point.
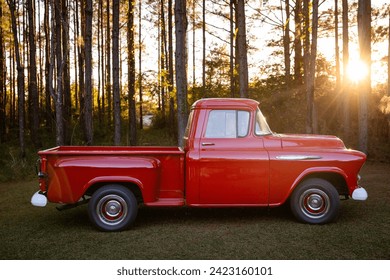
297 157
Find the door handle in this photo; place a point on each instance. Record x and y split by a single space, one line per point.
207 144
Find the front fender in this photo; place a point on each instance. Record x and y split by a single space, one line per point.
317 170
279 193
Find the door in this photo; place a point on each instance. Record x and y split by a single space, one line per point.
233 164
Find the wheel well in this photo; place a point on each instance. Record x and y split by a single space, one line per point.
131 186
335 179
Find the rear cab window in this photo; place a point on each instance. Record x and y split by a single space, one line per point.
227 124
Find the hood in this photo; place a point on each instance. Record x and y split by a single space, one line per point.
311 141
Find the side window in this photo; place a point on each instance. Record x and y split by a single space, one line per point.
227 124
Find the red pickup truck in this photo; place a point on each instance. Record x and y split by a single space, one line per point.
230 158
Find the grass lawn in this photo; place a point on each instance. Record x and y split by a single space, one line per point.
362 230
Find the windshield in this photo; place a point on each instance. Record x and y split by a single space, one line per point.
262 127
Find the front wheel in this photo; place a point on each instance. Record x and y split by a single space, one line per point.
112 208
315 201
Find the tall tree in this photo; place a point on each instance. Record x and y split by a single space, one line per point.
364 33
170 66
57 51
131 74
181 71
2 80
163 60
32 77
310 49
80 32
20 79
298 58
388 67
242 59
48 78
204 48
141 123
345 93
337 50
286 43
232 73
88 73
108 61
115 72
66 70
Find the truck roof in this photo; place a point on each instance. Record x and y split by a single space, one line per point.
233 103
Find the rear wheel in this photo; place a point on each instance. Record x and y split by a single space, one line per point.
112 208
315 201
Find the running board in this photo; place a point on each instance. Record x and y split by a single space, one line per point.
166 202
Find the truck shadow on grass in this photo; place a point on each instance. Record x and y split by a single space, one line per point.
150 217
155 217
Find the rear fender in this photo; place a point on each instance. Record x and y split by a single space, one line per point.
73 176
134 184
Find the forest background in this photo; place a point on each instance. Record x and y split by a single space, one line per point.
91 72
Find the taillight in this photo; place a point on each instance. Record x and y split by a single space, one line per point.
41 172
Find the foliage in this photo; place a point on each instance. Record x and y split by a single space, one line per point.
14 167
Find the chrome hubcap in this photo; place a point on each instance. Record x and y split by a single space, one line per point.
112 209
314 203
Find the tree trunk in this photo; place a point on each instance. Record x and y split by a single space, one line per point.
242 49
286 44
131 75
388 54
163 61
108 63
345 93
141 123
298 59
88 73
102 64
48 78
181 71
310 63
115 72
60 131
204 94
170 68
388 72
20 79
66 71
336 43
232 66
32 81
3 96
193 46
364 33
81 61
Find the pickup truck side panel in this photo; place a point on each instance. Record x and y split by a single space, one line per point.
71 171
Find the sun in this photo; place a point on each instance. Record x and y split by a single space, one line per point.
357 70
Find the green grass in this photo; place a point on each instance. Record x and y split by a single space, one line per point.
361 231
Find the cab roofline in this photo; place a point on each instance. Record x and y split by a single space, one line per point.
225 103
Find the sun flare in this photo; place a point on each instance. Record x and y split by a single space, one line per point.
357 70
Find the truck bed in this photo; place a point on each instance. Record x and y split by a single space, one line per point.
158 170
